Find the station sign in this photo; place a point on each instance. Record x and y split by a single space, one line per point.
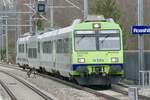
140 29
41 6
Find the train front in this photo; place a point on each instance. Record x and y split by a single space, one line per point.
97 53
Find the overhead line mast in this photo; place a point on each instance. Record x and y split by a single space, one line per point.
141 36
85 9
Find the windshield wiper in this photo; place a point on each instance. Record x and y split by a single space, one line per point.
105 38
80 39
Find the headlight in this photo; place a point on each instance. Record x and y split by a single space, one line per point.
81 60
114 59
96 25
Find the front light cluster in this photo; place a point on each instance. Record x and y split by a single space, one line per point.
81 60
114 59
96 25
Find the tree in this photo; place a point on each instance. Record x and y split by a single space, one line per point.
40 24
2 54
108 8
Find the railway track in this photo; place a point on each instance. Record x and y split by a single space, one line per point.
37 91
11 95
116 93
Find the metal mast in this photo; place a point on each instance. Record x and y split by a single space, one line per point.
52 13
30 15
141 36
85 9
6 32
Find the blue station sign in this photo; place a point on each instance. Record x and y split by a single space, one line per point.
140 29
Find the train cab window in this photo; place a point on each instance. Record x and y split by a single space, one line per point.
109 40
85 40
101 40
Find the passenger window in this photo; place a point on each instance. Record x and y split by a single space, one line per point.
38 47
66 45
59 46
47 47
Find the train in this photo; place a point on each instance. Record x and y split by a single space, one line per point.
89 52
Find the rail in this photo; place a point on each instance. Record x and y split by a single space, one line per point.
109 97
46 97
114 87
12 96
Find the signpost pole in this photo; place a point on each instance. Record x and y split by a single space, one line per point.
140 37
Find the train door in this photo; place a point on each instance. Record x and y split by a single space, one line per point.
54 53
26 51
39 52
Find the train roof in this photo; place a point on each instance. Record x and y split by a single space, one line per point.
56 32
23 39
76 25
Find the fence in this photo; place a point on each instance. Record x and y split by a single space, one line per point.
144 78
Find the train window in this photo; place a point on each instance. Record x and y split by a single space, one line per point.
84 32
50 47
104 40
47 47
38 47
26 48
21 48
44 47
32 53
85 40
66 45
59 46
85 43
109 40
29 53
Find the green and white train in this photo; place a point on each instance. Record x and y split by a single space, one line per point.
89 52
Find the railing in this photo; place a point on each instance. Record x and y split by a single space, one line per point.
144 78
